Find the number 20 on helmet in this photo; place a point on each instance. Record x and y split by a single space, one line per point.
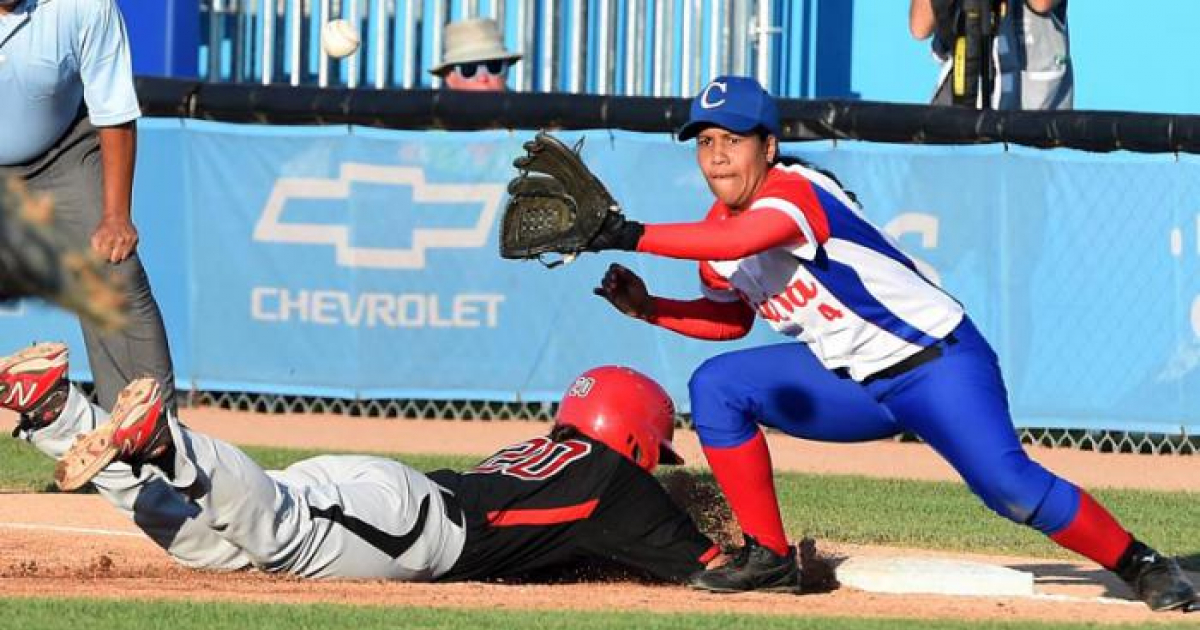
625 410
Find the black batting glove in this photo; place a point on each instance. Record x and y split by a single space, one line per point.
616 233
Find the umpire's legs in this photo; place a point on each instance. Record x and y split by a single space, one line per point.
72 173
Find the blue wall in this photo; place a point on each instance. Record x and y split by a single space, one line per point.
355 262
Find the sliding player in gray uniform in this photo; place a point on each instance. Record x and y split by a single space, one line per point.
581 494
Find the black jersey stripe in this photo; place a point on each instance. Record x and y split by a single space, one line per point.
392 545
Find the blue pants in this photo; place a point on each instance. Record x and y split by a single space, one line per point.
957 404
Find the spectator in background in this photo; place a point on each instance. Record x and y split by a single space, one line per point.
474 57
1031 68
67 93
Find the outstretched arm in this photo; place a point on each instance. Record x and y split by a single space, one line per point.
736 237
641 527
701 319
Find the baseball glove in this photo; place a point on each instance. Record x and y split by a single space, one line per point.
557 205
35 260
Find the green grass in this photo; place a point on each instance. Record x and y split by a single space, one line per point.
23 469
104 615
928 515
945 515
276 458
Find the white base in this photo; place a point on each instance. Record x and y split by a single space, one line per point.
898 574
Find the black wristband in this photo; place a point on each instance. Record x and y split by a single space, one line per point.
630 235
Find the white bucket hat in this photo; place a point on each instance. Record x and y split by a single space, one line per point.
472 40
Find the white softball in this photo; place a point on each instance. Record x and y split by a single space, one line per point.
339 38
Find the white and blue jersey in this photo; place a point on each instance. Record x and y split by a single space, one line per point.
862 310
846 290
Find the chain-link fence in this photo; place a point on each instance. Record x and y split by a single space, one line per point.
475 410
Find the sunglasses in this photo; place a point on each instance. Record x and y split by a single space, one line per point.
495 68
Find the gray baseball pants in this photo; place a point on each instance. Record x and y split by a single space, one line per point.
71 172
326 517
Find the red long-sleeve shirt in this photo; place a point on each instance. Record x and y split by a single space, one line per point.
723 235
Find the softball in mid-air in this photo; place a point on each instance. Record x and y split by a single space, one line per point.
339 38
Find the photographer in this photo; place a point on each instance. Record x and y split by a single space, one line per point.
998 54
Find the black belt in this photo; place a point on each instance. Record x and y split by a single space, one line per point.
929 353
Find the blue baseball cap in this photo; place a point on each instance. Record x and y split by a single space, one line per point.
738 104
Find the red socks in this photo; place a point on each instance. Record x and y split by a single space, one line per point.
745 476
1094 533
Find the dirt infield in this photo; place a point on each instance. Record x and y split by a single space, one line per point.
76 545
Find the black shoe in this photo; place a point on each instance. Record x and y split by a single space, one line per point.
1156 579
754 568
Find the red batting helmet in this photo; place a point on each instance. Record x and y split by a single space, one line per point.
624 409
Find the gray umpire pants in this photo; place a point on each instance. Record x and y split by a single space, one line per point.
71 172
343 516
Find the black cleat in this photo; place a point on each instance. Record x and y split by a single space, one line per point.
1156 579
754 568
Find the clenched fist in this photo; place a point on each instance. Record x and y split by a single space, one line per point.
115 239
626 292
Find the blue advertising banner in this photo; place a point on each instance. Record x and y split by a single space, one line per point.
355 262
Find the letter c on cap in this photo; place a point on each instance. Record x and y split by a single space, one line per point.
704 97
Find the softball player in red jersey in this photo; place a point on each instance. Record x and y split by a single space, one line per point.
583 495
880 350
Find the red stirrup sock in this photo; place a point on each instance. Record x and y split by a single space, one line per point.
1094 533
744 474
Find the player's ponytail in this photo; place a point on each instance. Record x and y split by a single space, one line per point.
791 160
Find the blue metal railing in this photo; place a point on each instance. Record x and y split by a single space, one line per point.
625 47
